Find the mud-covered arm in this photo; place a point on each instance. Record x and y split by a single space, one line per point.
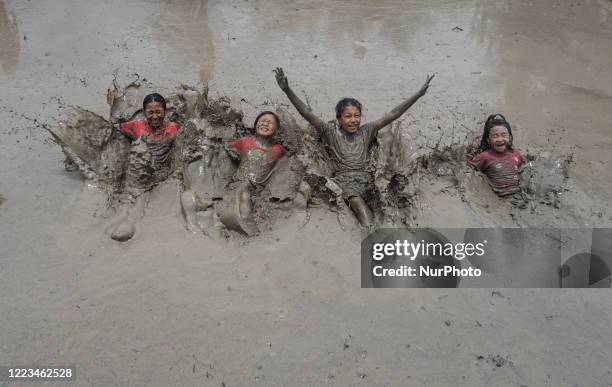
526 171
125 129
477 161
401 108
301 107
524 163
233 149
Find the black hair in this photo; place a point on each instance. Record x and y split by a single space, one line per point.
263 114
344 103
494 120
153 98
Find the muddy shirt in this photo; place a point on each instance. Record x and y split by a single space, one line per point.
140 128
348 151
150 156
256 162
502 170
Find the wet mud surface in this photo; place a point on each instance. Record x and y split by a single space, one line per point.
407 162
249 311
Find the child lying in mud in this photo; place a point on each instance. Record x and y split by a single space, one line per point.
154 125
349 142
498 161
258 156
149 159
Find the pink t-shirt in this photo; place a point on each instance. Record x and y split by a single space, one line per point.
256 162
140 128
501 169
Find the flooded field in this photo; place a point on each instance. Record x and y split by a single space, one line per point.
171 307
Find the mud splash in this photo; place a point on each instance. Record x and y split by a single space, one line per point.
196 158
420 173
422 180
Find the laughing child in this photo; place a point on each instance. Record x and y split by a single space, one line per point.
349 141
498 160
258 156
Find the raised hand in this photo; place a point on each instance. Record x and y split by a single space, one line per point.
281 79
301 107
426 84
401 108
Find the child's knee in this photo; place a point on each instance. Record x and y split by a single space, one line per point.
188 200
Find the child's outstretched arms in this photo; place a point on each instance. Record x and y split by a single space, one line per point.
301 107
401 108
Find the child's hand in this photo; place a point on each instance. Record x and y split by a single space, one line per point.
281 79
426 84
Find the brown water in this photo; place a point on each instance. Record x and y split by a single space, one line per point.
178 309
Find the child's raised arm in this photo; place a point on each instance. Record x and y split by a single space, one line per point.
301 107
401 108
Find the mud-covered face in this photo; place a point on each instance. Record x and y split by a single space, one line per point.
350 119
154 113
499 138
266 126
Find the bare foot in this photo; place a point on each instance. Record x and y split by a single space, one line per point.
233 221
124 231
126 228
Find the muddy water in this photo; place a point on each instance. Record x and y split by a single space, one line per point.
542 65
10 40
250 314
552 60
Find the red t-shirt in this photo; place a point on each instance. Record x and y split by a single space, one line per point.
256 162
140 128
501 169
246 144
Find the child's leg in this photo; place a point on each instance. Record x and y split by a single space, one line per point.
188 206
238 215
126 228
362 211
138 182
244 205
191 204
